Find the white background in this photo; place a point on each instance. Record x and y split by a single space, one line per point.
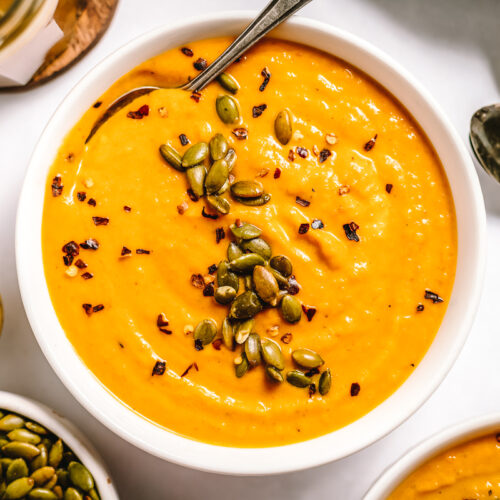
453 48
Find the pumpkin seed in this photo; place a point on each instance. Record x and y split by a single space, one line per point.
227 109
283 126
291 309
42 475
62 477
230 158
171 156
36 428
252 349
228 82
195 154
10 422
56 453
80 476
282 281
265 284
243 330
93 494
218 147
233 251
245 306
245 231
225 277
196 179
248 282
51 482
271 353
258 246
325 382
282 264
247 189
58 491
24 435
220 204
228 333
18 488
241 368
224 188
17 449
72 494
216 177
246 263
224 294
42 459
298 379
205 331
42 494
274 374
254 202
307 358
16 469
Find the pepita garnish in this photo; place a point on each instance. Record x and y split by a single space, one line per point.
271 353
325 382
171 156
245 306
195 154
274 374
245 231
282 264
283 126
258 246
205 331
246 263
253 202
252 349
196 179
247 189
298 379
218 147
291 309
227 109
228 82
265 284
216 177
307 358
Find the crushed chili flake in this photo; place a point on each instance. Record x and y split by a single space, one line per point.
317 224
71 248
277 173
371 143
291 155
161 320
81 195
324 154
191 195
92 202
388 188
182 208
267 76
159 368
312 390
350 231
198 345
303 228
97 308
344 190
209 216
238 223
293 285
197 281
186 371
187 51
208 278
240 133
200 64
141 251
258 110
127 208
433 296
220 234
166 331
87 276
209 290
57 187
287 338
196 96
312 372
184 140
355 388
263 172
302 152
420 307
140 113
216 344
300 201
212 269
80 264
97 104
331 138
68 260
87 308
309 311
100 221
90 244
125 252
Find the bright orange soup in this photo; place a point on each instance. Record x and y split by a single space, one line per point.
468 471
369 327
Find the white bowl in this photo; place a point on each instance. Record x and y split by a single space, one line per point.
55 423
388 415
453 436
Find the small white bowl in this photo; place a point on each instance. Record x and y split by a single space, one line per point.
383 419
58 425
453 436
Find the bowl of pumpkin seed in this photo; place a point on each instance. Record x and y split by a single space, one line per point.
43 456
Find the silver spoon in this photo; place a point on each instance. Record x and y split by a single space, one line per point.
485 138
274 14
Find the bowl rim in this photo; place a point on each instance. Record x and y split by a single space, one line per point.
430 447
185 451
31 409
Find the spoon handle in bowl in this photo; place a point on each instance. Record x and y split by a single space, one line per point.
273 15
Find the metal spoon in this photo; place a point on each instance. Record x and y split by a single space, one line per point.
485 138
274 14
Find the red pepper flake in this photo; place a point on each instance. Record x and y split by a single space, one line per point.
186 371
197 281
187 51
303 228
312 390
293 287
200 64
87 308
350 231
317 224
238 223
355 388
140 113
90 244
127 208
287 338
81 195
141 251
220 234
277 173
57 187
204 213
312 372
92 202
100 221
291 155
97 308
371 143
68 260
267 76
71 248
184 140
196 96
302 152
80 264
388 188
191 195
159 368
212 269
258 110
420 307
125 252
87 276
216 344
324 154
240 133
97 104
433 296
300 201
309 311
198 345
161 320
182 208
209 290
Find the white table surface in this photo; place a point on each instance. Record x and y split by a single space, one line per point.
453 48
